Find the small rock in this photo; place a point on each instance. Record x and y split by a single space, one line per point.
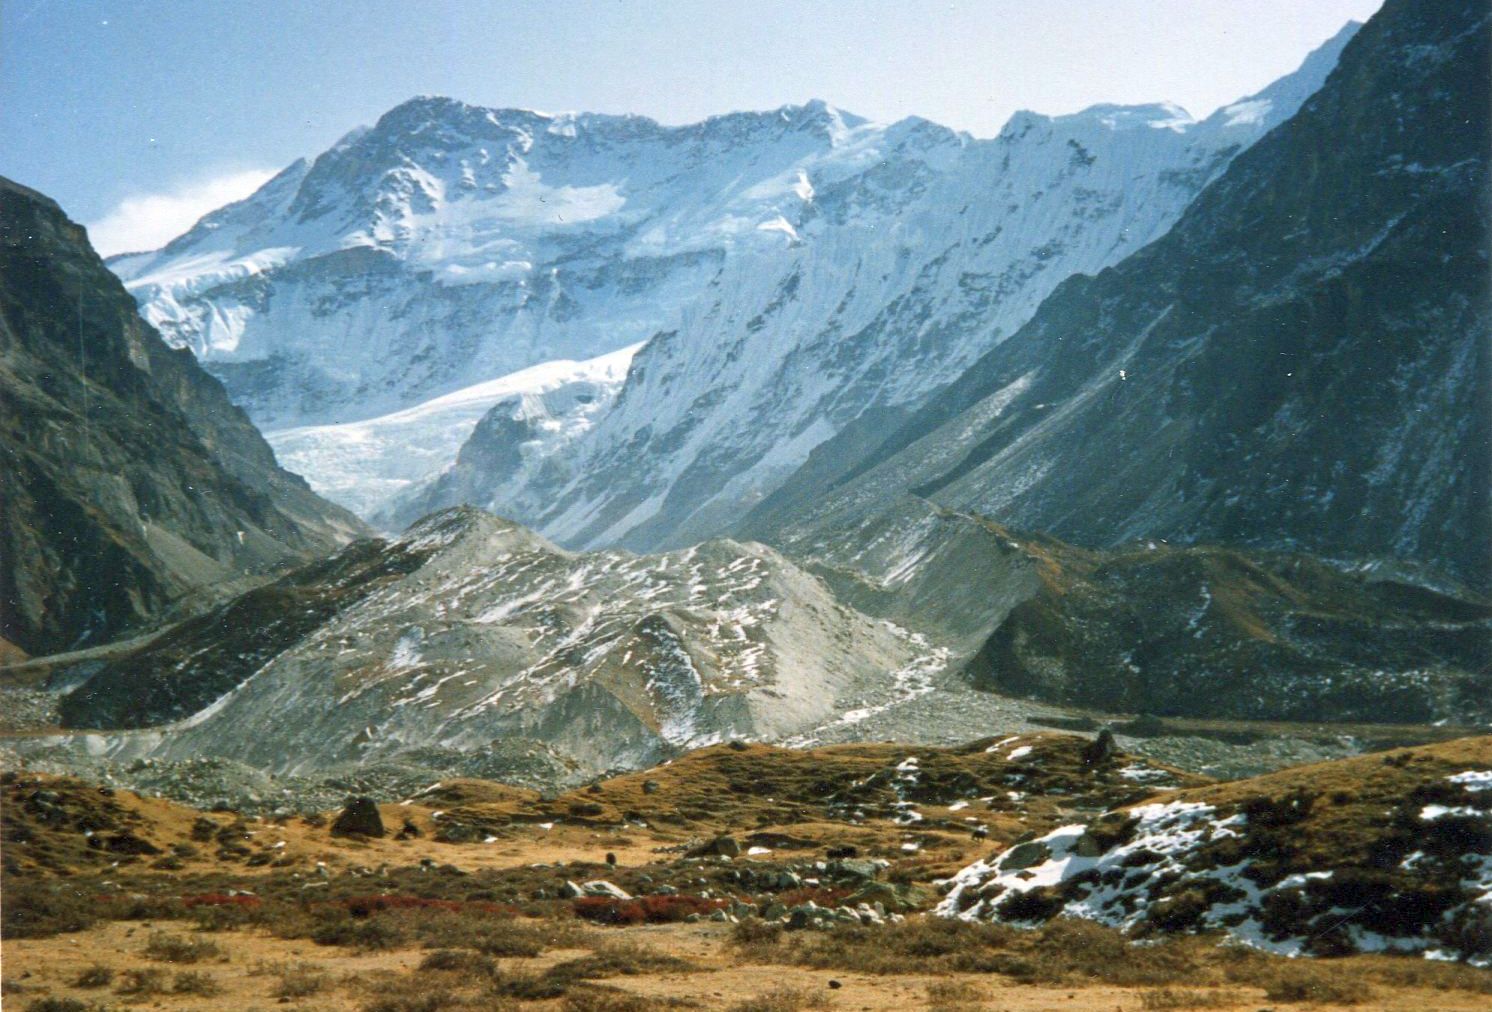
359 818
650 787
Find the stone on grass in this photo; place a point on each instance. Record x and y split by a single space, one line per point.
359 818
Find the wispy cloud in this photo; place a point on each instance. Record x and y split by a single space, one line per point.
149 220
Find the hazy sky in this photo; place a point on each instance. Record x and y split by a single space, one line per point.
140 115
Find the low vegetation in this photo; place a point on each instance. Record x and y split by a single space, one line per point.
432 936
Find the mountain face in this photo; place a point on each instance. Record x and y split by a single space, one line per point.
129 478
910 257
793 270
1300 363
450 244
469 629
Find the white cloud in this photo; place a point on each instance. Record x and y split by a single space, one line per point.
150 220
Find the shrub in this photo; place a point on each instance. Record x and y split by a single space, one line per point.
1300 981
644 909
950 995
299 980
591 999
1174 998
195 982
507 938
220 900
142 983
615 961
56 1005
177 949
824 896
425 1001
754 932
781 999
96 975
469 964
356 934
39 910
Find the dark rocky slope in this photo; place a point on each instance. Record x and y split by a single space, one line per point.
1214 632
1301 363
128 477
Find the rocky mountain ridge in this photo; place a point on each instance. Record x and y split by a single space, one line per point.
895 279
129 479
1300 363
469 629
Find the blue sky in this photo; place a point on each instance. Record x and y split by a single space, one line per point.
138 116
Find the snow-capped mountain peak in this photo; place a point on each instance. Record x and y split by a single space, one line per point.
788 271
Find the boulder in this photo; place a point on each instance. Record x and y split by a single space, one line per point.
897 898
601 887
1024 855
128 843
723 846
359 818
1100 751
855 869
1088 845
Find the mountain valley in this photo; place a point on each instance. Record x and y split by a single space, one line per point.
574 561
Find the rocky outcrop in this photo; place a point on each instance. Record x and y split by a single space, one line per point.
128 477
1382 853
469 630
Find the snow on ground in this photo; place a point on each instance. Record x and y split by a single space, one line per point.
363 465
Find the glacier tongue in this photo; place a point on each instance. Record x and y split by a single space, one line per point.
368 465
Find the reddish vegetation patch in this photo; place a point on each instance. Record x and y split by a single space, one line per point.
364 906
824 896
644 909
220 900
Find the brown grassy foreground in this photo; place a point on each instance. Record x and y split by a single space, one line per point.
177 909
